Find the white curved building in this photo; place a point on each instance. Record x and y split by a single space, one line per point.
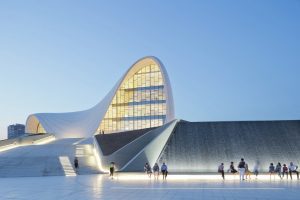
141 99
137 116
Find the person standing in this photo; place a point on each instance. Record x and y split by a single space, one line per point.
278 169
241 168
221 170
293 169
112 170
76 163
164 171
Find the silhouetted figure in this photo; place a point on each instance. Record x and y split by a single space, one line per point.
221 170
76 164
232 169
112 170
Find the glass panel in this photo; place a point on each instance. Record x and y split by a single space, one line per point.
139 103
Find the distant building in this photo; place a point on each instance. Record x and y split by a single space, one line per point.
15 130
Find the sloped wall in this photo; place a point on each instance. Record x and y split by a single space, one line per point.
146 148
202 146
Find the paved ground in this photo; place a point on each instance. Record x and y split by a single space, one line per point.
140 187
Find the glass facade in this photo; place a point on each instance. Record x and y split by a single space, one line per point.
40 128
34 126
139 103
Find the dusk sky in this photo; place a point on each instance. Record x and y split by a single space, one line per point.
227 60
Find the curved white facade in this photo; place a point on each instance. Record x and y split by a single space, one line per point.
110 115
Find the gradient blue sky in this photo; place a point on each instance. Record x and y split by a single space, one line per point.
227 60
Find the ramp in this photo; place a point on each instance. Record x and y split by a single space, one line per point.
51 159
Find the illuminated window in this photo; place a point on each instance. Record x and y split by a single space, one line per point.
139 103
34 126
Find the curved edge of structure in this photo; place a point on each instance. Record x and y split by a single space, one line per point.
85 123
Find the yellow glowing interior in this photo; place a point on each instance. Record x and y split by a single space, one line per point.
139 103
34 126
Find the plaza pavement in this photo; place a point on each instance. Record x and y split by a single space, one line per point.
138 186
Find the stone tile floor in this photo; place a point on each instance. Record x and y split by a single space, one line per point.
138 186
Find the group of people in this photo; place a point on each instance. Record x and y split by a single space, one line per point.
243 169
147 169
284 170
244 172
156 172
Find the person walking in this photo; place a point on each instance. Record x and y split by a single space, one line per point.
278 169
112 170
241 169
164 171
76 164
285 170
293 169
156 171
221 170
147 170
271 170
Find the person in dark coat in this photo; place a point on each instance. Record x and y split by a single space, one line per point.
112 170
76 163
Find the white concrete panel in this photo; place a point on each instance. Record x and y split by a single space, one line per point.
150 153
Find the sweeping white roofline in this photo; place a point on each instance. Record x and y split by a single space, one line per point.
85 123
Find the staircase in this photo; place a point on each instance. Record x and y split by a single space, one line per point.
51 159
